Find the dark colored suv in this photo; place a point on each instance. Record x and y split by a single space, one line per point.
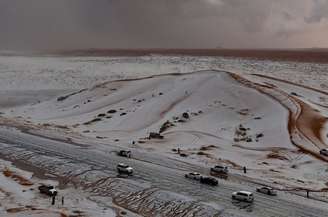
209 180
48 190
124 153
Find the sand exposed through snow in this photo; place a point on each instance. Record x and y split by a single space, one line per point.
224 104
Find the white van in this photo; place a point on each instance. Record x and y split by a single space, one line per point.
243 196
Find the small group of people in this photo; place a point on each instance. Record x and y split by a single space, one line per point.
54 200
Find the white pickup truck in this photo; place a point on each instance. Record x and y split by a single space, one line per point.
219 169
193 175
124 169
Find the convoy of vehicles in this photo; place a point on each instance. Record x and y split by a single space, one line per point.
216 170
246 196
125 169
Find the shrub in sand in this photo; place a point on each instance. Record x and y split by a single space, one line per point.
92 121
165 126
275 155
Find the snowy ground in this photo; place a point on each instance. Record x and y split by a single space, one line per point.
121 100
20 197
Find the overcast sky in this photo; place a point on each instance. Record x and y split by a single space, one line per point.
72 24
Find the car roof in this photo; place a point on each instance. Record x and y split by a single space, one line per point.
267 187
122 164
245 192
195 173
209 177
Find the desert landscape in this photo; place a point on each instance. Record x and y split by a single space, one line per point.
211 108
67 116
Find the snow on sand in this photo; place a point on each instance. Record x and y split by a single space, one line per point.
232 121
20 197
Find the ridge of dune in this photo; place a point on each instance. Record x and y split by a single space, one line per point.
304 124
292 83
313 101
311 123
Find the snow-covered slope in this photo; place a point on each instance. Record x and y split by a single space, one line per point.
122 100
215 102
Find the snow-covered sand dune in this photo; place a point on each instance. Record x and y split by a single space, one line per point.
216 103
229 120
256 122
307 112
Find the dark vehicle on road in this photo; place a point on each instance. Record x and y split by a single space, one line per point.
124 153
324 152
208 180
48 190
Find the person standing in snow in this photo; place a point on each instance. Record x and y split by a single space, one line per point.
53 200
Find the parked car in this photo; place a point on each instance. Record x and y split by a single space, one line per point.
124 153
267 190
324 152
124 169
48 190
193 175
243 196
209 180
219 169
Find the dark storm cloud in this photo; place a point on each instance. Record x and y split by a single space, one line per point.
60 24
